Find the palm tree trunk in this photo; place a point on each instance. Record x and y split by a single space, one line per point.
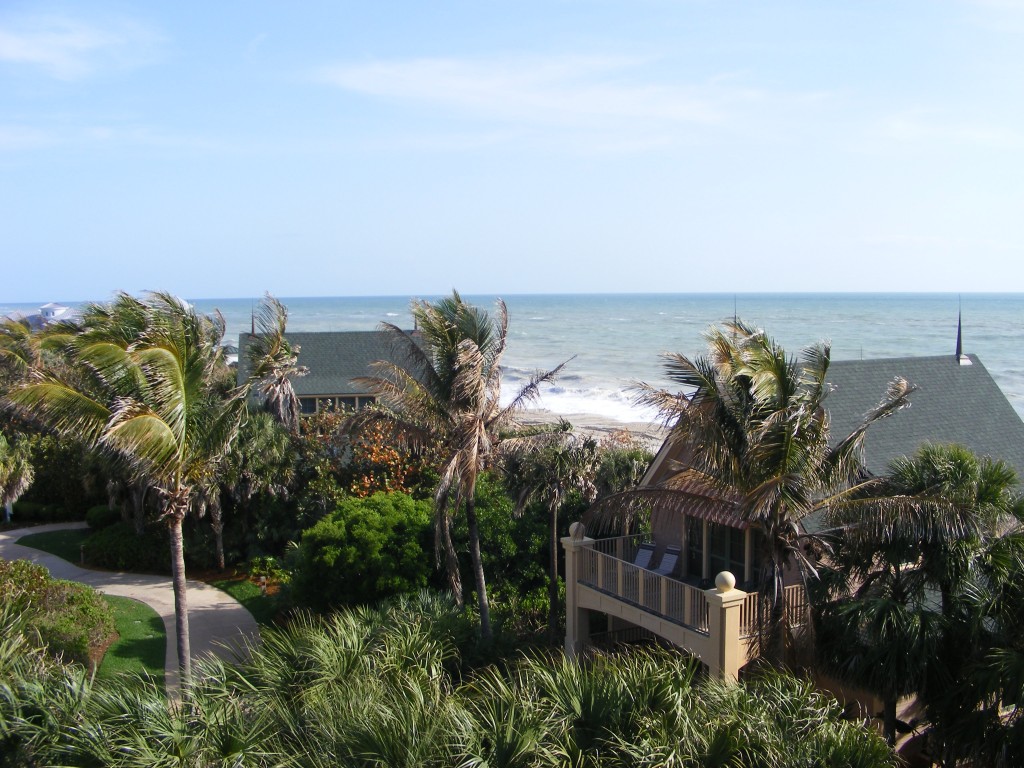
451 559
553 601
217 524
889 720
775 642
175 516
137 501
478 566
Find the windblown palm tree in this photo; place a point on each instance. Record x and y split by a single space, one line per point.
751 427
445 386
273 363
142 388
20 351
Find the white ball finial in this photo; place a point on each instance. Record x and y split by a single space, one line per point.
577 531
725 581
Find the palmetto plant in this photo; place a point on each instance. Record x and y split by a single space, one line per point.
379 687
444 386
140 383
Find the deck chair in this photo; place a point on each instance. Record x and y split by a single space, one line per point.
644 555
669 560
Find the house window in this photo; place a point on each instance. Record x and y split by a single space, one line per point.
307 405
694 546
726 550
347 402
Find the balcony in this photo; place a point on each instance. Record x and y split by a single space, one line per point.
718 625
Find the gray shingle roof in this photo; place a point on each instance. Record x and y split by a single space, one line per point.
953 403
333 358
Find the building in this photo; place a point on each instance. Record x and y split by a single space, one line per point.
956 401
334 359
47 314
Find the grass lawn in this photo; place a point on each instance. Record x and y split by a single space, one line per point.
142 645
64 544
262 607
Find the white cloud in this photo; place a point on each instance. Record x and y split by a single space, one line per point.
70 49
564 90
16 137
919 126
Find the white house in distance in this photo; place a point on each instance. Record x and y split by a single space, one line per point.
48 313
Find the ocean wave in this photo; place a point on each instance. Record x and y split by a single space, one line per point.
613 404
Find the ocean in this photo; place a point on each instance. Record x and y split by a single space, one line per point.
612 341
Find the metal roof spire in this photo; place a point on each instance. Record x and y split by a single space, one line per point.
960 356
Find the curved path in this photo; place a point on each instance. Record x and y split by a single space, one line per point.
217 622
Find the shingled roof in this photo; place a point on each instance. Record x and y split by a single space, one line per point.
334 359
953 403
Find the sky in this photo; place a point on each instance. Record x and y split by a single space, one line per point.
223 149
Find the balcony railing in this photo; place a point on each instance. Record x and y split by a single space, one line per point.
608 567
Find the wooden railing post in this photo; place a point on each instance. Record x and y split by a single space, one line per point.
724 606
577 620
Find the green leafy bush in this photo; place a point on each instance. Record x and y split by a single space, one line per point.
27 512
119 548
267 567
71 620
365 550
102 516
68 477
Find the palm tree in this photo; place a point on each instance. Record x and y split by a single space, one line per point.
958 502
273 363
145 392
20 351
953 525
445 386
753 431
563 466
16 474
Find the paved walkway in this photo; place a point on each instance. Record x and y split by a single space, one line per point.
217 622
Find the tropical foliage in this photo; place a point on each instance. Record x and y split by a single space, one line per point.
562 468
384 687
16 474
274 362
924 598
367 549
751 427
444 387
143 381
71 621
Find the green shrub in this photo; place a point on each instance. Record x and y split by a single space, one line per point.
27 512
102 516
270 568
365 550
119 548
68 477
71 620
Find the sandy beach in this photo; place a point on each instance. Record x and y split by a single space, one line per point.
600 427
